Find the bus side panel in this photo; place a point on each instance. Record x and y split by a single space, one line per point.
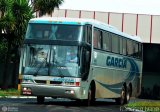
103 75
110 77
104 79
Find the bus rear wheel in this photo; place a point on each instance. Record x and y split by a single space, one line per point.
40 99
122 99
128 94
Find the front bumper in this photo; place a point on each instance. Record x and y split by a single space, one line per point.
53 91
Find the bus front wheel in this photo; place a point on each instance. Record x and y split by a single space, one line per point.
40 99
91 96
122 99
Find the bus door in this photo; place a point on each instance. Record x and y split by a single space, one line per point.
85 59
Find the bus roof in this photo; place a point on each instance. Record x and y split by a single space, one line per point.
82 21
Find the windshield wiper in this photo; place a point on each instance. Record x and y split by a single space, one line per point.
56 64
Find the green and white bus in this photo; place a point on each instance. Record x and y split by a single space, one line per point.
81 59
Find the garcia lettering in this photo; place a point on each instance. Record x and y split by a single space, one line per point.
116 62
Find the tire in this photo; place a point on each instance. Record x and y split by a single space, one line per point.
91 97
122 99
128 95
40 99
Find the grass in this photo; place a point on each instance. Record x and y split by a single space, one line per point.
146 106
9 92
145 103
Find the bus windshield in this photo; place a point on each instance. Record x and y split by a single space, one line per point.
51 60
54 31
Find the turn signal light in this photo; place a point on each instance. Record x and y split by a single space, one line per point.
72 83
77 83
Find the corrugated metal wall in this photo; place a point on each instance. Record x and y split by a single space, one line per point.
145 26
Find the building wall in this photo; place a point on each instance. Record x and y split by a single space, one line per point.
156 29
145 26
130 23
115 19
102 16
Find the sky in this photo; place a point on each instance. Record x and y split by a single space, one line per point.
121 6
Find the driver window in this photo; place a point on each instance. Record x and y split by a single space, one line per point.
71 54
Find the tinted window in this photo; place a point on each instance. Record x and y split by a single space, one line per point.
87 34
129 48
115 43
124 46
135 49
97 38
54 32
140 51
106 41
120 45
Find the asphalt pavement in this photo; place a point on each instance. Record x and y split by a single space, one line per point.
55 105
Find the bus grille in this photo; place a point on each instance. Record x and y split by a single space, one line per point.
40 81
50 82
55 82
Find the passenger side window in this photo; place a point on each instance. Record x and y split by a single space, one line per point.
124 46
87 34
129 48
135 49
97 39
115 43
140 51
121 45
106 41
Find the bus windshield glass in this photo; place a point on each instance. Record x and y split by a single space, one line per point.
54 31
51 60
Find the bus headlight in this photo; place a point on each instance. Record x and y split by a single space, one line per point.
70 92
26 91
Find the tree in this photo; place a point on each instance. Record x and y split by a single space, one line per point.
3 49
45 6
15 15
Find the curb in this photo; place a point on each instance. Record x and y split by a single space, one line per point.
29 97
17 97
